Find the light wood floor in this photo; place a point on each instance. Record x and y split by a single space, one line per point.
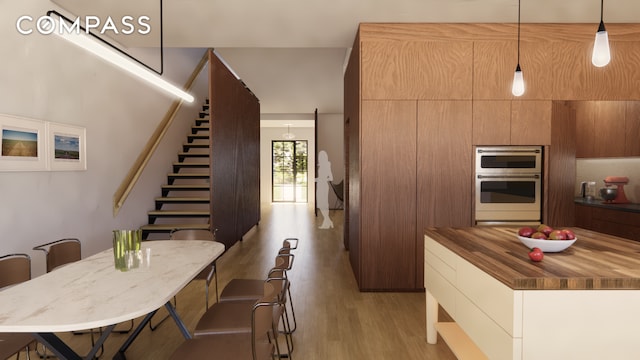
335 320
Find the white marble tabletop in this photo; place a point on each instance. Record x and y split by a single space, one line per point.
91 293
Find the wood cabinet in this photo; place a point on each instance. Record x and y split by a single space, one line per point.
607 128
387 200
517 122
419 96
625 224
415 172
445 168
416 69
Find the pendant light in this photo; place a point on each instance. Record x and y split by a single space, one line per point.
288 135
601 54
517 89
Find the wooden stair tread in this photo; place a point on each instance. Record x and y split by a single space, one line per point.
181 199
195 145
187 186
190 154
459 342
189 175
191 164
179 213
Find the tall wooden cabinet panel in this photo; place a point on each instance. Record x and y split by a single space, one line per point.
387 197
234 154
444 163
632 126
416 69
560 170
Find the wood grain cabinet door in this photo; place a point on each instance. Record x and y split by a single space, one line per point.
445 170
388 195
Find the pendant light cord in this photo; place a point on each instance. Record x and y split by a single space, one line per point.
519 32
601 10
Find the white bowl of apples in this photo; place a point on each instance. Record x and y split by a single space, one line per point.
546 238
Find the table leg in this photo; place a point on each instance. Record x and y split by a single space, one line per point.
432 318
179 322
120 354
63 351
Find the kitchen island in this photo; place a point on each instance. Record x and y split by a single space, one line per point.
581 303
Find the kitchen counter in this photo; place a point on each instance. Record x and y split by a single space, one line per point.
581 303
594 261
634 208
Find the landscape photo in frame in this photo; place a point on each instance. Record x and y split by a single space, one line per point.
67 148
22 144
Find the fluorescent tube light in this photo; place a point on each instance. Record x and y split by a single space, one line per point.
114 57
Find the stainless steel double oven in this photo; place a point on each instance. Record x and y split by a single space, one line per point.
508 183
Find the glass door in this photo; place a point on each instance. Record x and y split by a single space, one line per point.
289 170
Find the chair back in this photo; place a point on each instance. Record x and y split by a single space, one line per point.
61 252
262 321
192 234
14 269
196 234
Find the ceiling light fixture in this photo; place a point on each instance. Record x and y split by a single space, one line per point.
601 53
517 89
106 51
288 135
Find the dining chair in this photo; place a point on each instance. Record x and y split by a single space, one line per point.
248 289
14 269
60 252
208 274
63 252
234 316
260 343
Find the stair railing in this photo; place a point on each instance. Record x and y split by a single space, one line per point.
141 162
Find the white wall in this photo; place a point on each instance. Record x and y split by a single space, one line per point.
45 78
331 140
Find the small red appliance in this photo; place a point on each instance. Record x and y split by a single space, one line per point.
619 182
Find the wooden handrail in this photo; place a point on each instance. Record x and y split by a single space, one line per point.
141 162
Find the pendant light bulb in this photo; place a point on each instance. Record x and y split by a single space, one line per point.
517 89
601 53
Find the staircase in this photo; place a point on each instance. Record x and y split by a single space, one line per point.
184 203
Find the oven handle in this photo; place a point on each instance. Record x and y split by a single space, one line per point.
499 151
533 176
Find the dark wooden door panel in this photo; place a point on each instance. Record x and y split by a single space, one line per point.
388 202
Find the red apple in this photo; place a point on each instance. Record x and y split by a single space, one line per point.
568 234
545 229
526 231
557 235
539 235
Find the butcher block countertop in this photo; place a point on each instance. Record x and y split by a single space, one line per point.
595 261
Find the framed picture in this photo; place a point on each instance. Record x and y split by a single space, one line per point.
23 144
67 147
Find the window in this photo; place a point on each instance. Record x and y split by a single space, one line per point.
290 171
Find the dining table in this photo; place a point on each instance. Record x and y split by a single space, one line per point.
92 294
